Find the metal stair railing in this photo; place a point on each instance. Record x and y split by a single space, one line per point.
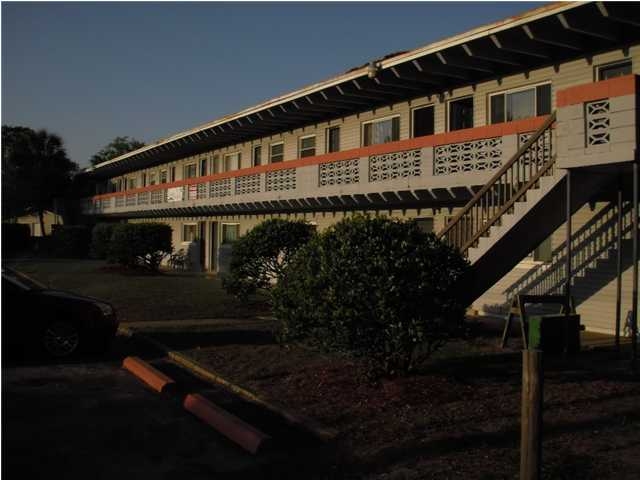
515 178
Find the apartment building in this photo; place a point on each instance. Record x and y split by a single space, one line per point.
493 139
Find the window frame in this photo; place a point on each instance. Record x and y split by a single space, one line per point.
275 144
380 120
253 155
448 111
530 86
195 235
222 228
327 135
237 154
599 68
203 166
188 165
412 118
315 145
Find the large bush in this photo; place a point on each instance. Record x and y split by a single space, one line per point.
101 240
140 244
372 287
16 237
70 241
260 257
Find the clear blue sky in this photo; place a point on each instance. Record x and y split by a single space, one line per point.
93 71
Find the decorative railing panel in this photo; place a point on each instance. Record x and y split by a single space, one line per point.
395 165
202 191
131 200
598 122
220 188
280 180
476 155
344 172
143 198
247 184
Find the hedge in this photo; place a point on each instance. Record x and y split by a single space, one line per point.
140 244
101 240
70 241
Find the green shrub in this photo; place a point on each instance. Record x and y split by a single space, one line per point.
16 237
70 241
260 257
140 244
375 288
101 240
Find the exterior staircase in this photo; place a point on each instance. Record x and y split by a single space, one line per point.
522 205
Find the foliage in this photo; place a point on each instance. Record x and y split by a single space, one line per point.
140 244
15 238
35 170
372 287
118 146
71 241
101 240
260 257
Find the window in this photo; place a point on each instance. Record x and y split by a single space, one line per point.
257 155
172 174
276 153
152 178
163 176
189 171
307 147
230 232
189 232
333 139
203 167
425 224
522 103
143 179
614 70
216 164
423 120
131 183
231 161
381 131
461 114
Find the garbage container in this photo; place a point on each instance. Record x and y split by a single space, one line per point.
554 333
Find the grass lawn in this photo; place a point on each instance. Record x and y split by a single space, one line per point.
139 296
457 418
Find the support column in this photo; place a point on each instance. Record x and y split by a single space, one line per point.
568 273
618 263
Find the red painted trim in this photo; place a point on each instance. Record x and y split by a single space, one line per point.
468 134
615 87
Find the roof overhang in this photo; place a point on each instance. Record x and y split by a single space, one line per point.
542 37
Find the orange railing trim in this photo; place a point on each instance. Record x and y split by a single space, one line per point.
466 135
614 87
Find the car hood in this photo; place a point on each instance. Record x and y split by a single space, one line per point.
69 296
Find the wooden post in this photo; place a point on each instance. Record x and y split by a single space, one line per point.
531 421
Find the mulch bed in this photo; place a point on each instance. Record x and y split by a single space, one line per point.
458 417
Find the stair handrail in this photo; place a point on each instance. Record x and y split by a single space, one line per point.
494 179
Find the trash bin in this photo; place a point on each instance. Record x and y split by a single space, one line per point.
554 333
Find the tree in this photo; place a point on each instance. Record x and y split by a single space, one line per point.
35 170
260 257
118 146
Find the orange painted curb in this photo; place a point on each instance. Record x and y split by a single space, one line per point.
229 425
149 375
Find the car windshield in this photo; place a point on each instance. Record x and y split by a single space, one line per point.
20 280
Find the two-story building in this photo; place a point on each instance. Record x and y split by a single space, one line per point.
492 138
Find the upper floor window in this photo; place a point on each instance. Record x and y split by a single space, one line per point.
217 168
172 174
232 161
257 155
307 147
189 171
613 70
423 121
163 176
521 103
333 139
461 113
203 167
276 153
152 178
383 130
143 179
131 183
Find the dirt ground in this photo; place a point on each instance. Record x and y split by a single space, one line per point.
459 417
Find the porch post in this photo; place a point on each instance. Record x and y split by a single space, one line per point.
567 285
619 263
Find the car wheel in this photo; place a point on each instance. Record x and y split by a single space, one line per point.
61 338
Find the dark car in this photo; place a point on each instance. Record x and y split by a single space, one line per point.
54 322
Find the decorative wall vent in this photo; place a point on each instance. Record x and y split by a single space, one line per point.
476 155
281 180
248 184
202 191
158 196
131 200
343 172
220 188
120 201
395 165
598 122
143 198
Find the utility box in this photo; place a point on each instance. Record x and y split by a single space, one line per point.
554 333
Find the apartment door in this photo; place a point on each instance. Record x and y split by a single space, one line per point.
202 230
